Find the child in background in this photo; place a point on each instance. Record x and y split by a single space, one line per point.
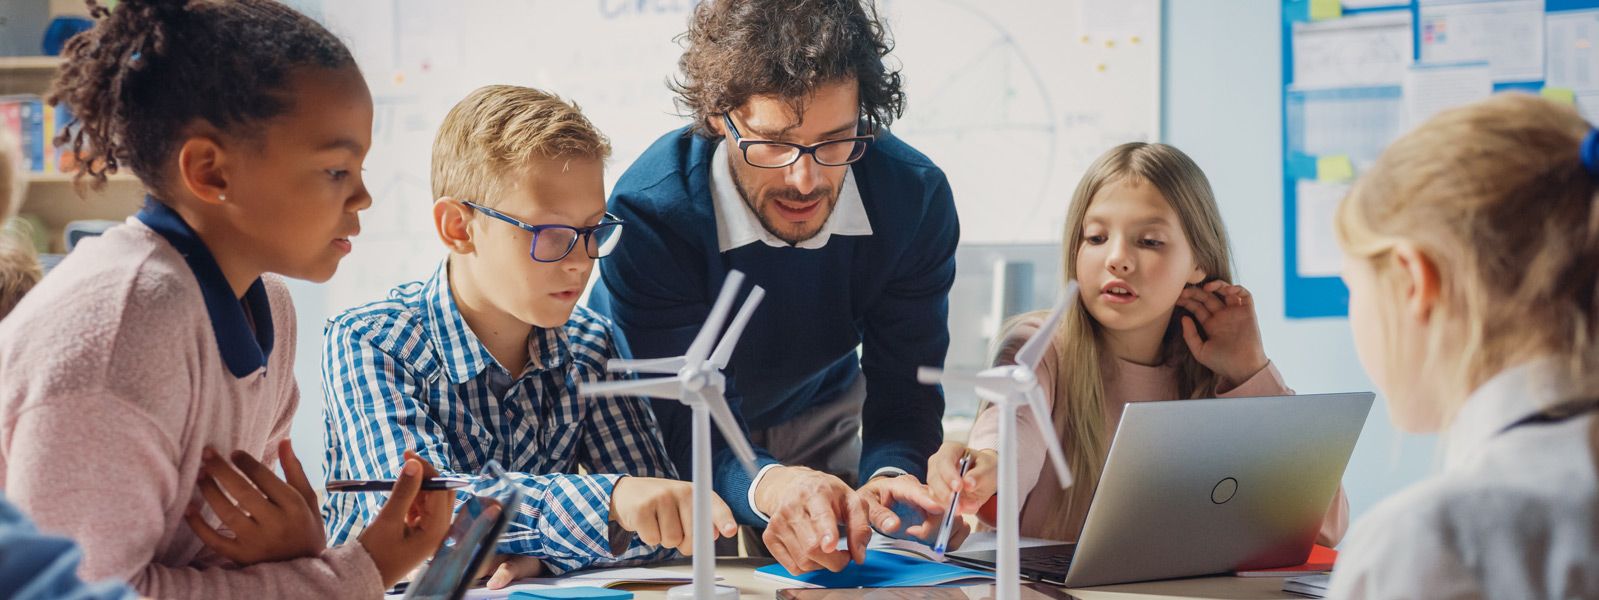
19 271
19 265
1144 238
482 361
147 385
1472 260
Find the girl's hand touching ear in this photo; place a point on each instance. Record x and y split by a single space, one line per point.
1231 346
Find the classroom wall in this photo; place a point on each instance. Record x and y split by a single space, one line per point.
1222 106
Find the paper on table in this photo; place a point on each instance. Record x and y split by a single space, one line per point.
1316 203
1430 89
1360 50
593 578
978 541
1508 34
1573 49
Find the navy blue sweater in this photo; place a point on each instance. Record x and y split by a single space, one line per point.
887 293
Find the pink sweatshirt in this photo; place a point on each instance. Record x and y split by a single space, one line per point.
1131 382
111 384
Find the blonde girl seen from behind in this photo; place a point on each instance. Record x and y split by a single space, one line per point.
1472 261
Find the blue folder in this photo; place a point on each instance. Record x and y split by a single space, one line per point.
882 569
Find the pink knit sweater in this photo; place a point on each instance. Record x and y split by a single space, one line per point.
111 384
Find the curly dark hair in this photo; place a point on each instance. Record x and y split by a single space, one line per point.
151 68
736 49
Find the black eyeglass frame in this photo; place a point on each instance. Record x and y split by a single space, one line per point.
609 221
800 149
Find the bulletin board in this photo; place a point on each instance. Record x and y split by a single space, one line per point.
1358 73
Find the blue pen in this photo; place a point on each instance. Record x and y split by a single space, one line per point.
949 515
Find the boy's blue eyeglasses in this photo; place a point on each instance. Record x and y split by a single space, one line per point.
551 243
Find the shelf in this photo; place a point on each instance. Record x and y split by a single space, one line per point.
30 63
55 201
27 74
69 178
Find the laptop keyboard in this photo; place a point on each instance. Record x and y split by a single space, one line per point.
1057 563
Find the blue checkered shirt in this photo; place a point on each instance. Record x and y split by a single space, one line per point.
407 374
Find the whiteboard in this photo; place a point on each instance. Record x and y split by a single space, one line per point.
1012 98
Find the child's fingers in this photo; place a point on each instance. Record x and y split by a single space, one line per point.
224 508
722 516
224 545
677 526
943 470
1210 299
428 470
645 527
514 567
295 474
1242 296
981 477
265 480
243 492
1197 308
405 490
1191 335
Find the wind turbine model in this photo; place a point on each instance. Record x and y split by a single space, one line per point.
1008 387
698 382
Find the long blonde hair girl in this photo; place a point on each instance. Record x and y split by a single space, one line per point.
1079 388
1496 196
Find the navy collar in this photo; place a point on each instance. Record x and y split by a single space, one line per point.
244 351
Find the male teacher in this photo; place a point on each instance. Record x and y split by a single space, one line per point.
789 174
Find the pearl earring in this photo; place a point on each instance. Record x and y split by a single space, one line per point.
222 197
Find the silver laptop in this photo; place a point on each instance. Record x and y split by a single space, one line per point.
1198 487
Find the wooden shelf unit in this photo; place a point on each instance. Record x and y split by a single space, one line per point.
53 197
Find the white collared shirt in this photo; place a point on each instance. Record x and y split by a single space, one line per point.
1514 514
737 225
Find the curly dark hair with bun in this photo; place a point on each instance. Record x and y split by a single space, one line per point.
737 49
149 69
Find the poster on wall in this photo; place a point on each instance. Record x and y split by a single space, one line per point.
1357 75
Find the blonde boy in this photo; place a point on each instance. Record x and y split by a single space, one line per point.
482 360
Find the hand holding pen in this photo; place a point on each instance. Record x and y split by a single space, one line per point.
975 484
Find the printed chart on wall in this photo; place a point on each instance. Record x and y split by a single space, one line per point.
1357 74
1012 98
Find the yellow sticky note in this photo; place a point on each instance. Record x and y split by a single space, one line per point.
1321 10
1561 95
1335 168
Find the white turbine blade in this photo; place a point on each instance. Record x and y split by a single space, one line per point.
988 378
701 347
668 366
659 387
1046 428
1033 350
731 432
724 349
